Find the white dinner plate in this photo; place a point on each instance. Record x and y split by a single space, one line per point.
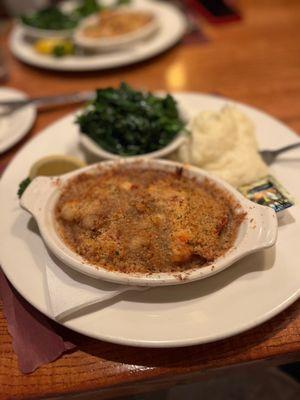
245 295
13 127
172 27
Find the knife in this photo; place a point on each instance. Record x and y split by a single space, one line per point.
9 106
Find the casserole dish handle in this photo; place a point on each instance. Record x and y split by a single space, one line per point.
263 227
37 194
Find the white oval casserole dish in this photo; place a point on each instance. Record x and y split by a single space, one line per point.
257 231
114 43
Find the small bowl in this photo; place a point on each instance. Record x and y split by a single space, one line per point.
102 154
94 44
99 152
257 231
36 33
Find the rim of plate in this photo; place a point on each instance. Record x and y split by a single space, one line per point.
22 129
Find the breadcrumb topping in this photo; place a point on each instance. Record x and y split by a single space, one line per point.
146 221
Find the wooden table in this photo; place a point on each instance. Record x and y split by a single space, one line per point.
256 61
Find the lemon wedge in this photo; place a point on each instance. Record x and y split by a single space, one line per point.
55 165
54 46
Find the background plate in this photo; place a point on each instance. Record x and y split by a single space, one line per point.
172 23
15 126
245 295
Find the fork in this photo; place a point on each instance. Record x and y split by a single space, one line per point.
270 155
10 106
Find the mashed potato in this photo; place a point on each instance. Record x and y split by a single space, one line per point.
224 143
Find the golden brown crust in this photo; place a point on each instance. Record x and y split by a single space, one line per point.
146 221
117 23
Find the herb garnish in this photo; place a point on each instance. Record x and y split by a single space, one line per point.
23 186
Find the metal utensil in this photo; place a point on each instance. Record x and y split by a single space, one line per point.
270 155
9 106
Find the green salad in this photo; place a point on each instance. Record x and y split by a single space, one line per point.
53 18
127 122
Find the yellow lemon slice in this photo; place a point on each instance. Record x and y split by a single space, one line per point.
55 165
52 45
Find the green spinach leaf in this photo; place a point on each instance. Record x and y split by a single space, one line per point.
128 122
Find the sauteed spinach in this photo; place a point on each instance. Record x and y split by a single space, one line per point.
51 18
128 122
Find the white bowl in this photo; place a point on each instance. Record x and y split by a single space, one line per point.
102 154
257 231
99 152
36 33
116 42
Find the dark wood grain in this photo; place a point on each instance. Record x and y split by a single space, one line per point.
113 370
256 61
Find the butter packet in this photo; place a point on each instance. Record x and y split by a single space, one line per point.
268 192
